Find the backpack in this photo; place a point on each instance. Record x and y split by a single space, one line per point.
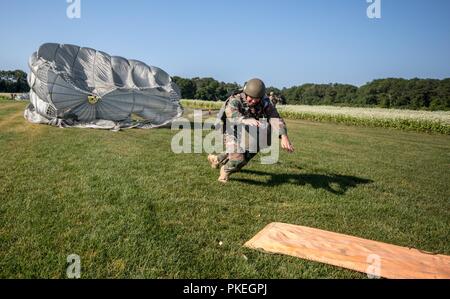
221 116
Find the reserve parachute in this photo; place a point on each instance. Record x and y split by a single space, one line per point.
72 86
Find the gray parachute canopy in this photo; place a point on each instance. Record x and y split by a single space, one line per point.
75 86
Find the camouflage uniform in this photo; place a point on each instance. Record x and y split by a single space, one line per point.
274 100
237 110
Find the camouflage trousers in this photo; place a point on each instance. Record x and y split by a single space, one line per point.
236 155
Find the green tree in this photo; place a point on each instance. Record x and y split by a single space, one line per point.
187 87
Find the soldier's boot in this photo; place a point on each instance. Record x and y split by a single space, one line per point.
213 161
224 175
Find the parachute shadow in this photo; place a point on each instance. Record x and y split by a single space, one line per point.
333 183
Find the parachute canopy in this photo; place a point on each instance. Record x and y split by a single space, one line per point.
75 86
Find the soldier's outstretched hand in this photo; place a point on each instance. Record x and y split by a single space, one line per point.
286 144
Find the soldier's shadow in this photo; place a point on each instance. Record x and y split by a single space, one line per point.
333 183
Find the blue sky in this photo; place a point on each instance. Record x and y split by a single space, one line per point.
283 42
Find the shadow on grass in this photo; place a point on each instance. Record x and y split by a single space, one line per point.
334 183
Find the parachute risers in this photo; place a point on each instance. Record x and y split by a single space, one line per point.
76 86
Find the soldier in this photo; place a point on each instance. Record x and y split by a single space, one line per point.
273 99
246 107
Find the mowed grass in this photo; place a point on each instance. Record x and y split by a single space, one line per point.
130 208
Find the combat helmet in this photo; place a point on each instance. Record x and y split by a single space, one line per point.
255 88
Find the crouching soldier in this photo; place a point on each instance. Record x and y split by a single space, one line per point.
246 108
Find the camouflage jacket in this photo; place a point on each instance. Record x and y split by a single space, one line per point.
236 110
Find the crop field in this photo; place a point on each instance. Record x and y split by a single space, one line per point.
422 121
131 208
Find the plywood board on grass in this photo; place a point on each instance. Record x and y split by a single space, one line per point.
376 258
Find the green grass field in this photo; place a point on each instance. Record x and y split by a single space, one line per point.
130 208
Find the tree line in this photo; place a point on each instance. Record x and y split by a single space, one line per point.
429 94
13 81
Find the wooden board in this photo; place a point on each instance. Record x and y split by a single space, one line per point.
350 252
